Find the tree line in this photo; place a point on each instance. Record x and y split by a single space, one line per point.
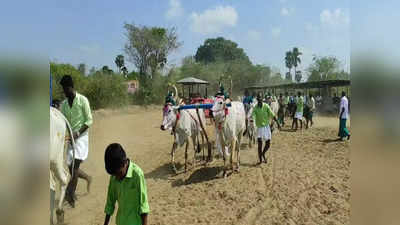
217 60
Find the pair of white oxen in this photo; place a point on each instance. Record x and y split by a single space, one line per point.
230 124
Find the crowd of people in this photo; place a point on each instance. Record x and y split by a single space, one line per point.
300 108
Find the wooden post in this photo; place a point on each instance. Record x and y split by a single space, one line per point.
209 157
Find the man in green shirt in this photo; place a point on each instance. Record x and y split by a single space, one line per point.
127 186
76 109
299 111
262 115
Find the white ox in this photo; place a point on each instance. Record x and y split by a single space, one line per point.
274 108
251 128
58 127
185 124
230 124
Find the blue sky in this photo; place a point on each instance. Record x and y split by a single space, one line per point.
91 31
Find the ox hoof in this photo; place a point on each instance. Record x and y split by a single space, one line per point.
60 216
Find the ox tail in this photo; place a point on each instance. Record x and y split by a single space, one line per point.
73 147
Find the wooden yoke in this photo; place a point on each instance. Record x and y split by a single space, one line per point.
209 157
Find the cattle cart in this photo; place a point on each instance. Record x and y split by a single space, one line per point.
195 91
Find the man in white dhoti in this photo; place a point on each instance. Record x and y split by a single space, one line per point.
262 115
76 109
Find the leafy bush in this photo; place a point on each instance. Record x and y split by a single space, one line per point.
102 90
105 90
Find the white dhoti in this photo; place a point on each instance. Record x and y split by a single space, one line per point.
264 133
298 115
81 148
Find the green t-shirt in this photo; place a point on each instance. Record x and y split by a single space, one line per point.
286 100
79 114
131 195
300 104
262 115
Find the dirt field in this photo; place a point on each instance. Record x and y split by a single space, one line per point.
306 180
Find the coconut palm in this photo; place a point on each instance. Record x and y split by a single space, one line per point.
289 64
120 62
296 60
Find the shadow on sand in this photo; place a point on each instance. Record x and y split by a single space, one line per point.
200 175
165 171
327 141
287 130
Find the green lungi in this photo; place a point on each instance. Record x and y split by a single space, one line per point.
343 131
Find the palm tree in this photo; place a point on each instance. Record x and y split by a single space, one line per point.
289 64
119 61
296 59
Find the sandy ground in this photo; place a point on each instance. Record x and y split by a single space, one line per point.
306 180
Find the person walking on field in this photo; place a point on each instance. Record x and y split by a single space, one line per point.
262 115
310 110
281 111
127 186
76 109
286 101
298 116
343 116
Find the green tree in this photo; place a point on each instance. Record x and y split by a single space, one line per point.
107 70
132 75
120 62
325 68
262 74
58 71
289 64
148 47
92 70
314 76
276 79
82 68
220 49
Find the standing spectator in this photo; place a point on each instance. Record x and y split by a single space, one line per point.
310 105
298 116
76 109
262 115
282 109
343 116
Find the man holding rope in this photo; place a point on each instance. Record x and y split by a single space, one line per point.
76 109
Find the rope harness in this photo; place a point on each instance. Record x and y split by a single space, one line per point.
226 112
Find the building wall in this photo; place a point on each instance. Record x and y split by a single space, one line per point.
133 86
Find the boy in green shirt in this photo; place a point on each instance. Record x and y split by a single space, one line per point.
127 187
299 111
